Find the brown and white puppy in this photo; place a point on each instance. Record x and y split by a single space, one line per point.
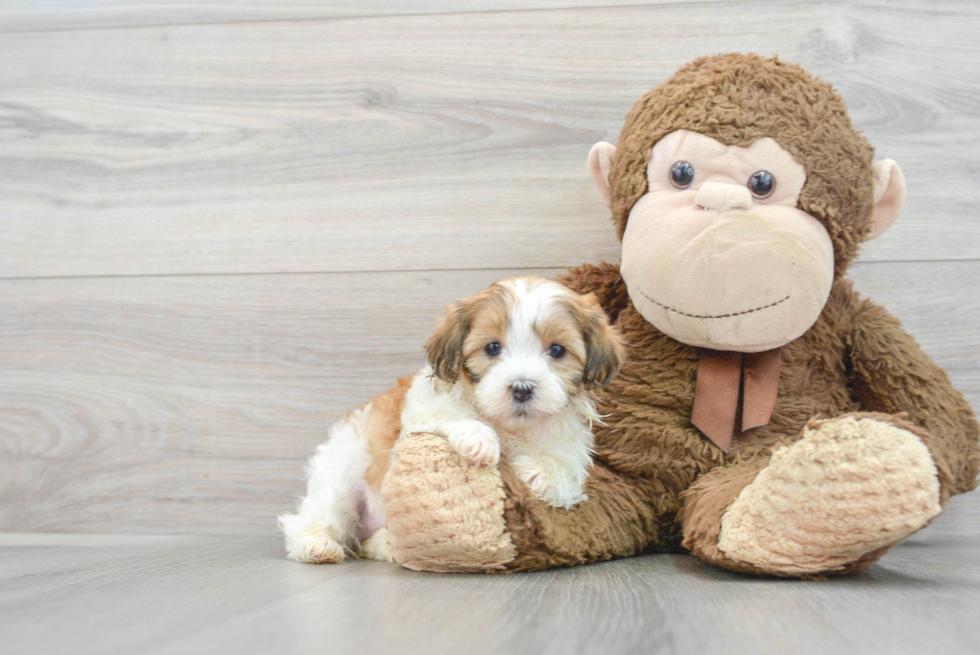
510 370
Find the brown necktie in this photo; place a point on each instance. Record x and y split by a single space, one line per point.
716 395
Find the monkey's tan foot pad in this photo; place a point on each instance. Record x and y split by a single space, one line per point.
849 487
444 513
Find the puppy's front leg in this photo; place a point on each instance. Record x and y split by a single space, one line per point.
558 483
474 440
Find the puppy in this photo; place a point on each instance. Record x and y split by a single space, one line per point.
510 370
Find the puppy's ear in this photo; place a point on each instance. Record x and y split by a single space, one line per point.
444 349
604 350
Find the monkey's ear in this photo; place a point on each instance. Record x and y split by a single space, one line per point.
444 349
889 189
600 162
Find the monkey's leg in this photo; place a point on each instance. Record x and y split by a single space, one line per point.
447 514
830 503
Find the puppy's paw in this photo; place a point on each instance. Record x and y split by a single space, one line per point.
377 547
475 441
316 548
311 540
546 485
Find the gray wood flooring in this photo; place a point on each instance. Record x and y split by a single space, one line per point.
91 594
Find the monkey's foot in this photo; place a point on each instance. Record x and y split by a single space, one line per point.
851 487
443 512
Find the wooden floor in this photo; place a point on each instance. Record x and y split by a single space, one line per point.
225 223
90 594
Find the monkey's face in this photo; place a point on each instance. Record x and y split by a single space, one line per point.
717 254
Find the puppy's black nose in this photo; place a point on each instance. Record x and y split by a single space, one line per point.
522 391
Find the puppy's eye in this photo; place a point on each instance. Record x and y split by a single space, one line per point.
492 349
556 351
681 174
762 184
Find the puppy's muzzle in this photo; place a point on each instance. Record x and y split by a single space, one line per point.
522 391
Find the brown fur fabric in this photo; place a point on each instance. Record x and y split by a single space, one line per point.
658 484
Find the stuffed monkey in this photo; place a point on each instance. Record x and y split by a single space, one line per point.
768 418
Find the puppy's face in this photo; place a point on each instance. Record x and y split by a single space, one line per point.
524 347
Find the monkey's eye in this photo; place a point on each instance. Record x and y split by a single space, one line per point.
492 349
681 174
556 351
762 184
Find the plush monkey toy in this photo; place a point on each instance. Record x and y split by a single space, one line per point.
768 419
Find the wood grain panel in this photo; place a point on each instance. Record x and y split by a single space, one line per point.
425 142
189 404
40 15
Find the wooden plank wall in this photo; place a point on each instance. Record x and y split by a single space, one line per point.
223 224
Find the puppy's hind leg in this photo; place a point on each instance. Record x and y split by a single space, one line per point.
376 546
326 527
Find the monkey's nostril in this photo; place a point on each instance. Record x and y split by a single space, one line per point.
721 196
522 391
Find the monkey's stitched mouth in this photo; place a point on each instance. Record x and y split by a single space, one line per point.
747 311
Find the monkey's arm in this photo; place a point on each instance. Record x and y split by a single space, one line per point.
445 513
604 281
892 374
